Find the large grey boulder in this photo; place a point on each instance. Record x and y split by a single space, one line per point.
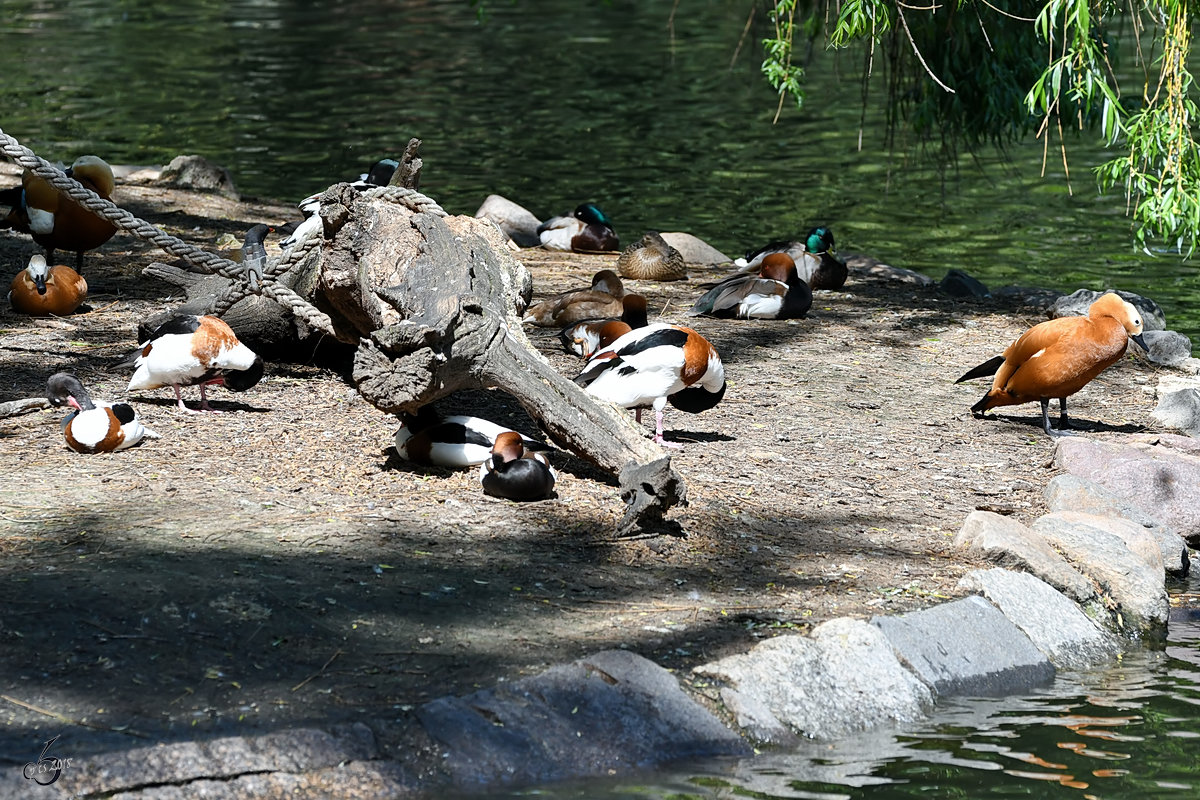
612 710
517 222
842 679
1073 493
1013 545
1031 296
1161 481
198 174
1054 624
871 267
1077 303
1178 403
694 249
957 283
966 647
1170 348
1122 558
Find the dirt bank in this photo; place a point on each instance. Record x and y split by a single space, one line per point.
277 565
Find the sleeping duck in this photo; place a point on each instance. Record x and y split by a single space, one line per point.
651 258
601 299
586 230
815 261
776 292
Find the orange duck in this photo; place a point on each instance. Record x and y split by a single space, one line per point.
56 221
1059 357
42 291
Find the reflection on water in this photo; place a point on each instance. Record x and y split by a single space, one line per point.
551 102
1126 731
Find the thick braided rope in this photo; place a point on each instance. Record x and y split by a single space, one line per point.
201 260
409 197
204 261
278 292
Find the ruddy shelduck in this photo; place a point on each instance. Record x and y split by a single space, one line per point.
1059 357
58 222
40 290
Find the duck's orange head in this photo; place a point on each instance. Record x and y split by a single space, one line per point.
778 267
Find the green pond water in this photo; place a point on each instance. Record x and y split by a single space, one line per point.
552 102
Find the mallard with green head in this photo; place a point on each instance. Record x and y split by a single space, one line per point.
586 230
816 262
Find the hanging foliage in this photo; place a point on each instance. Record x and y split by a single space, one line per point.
970 72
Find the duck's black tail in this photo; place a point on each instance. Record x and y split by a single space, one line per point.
988 367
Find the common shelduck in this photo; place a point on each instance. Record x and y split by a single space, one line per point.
454 441
55 220
1059 357
649 366
515 473
816 263
94 426
651 258
194 351
40 291
586 337
586 230
601 299
776 292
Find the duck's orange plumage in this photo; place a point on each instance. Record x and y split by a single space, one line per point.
1059 357
40 291
55 220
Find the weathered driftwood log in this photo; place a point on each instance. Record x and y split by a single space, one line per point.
437 302
408 174
265 326
24 406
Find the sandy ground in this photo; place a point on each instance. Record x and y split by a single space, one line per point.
277 564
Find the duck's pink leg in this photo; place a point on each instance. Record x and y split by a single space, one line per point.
179 400
658 432
204 406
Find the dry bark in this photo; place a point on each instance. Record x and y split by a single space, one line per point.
23 406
